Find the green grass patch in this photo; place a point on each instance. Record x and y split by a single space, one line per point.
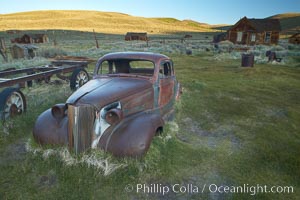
233 126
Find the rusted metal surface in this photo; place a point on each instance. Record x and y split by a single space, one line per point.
100 92
247 60
12 100
50 130
33 74
74 58
8 69
70 62
119 111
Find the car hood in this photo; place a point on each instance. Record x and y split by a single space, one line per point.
101 91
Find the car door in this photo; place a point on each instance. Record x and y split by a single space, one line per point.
167 81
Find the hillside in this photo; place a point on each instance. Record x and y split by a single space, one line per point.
285 15
106 22
288 21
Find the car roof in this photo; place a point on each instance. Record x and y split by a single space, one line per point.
135 56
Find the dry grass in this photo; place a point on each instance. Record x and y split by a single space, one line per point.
106 22
93 159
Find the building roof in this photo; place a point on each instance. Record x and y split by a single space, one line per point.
266 24
261 25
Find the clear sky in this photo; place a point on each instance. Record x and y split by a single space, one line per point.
207 11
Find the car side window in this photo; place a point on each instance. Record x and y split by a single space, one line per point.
107 67
165 69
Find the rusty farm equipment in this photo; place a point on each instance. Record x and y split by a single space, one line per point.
13 101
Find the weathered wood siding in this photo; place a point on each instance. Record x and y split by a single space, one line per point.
250 35
136 36
17 52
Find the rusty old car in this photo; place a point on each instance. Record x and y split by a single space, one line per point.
130 97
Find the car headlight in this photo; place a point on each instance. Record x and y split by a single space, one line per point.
59 111
113 116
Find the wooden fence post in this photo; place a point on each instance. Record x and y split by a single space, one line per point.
97 45
54 39
3 49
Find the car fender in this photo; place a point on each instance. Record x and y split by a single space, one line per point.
49 130
133 136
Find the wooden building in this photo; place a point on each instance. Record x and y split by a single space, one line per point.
31 38
23 51
136 36
295 39
255 31
34 38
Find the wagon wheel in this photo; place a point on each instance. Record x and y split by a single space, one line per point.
79 78
12 103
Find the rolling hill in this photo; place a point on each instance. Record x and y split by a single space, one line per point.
106 22
288 21
119 23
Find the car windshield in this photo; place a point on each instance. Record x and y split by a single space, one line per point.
127 67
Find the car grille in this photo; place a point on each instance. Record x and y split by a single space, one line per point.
80 127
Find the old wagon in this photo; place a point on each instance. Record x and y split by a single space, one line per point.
13 101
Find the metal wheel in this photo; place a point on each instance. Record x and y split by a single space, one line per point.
12 103
79 78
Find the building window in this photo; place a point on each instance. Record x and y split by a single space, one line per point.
253 37
239 36
268 37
